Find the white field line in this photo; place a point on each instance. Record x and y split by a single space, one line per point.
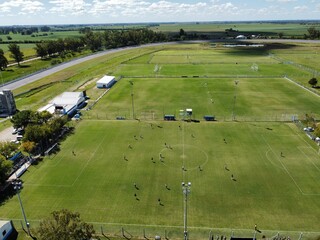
183 149
302 86
81 171
267 156
288 172
307 157
89 160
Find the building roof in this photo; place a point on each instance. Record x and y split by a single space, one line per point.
3 222
67 98
106 79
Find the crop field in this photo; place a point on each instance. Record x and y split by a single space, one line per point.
251 166
288 29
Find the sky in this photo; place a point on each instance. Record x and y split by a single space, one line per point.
47 12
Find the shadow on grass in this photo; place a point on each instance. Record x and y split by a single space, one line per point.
24 66
6 195
256 51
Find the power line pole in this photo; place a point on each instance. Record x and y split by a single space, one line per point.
186 188
17 185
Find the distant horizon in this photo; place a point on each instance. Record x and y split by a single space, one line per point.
74 12
172 22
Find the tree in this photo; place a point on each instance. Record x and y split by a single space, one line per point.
41 49
7 149
64 225
3 60
41 117
21 119
280 34
16 54
35 133
313 81
5 167
313 33
28 147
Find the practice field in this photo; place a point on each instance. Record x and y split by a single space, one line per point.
96 169
264 99
247 83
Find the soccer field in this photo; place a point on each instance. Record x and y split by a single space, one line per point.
251 166
95 171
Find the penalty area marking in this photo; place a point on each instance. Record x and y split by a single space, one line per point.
288 172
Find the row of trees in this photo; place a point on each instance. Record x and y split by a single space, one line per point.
96 41
313 33
40 130
23 30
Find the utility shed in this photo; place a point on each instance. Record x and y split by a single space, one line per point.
106 82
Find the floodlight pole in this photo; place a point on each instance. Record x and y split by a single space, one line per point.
186 187
131 83
234 100
17 185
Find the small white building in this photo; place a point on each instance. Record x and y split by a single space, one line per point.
189 111
241 37
7 231
106 82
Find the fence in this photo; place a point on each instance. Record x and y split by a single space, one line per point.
136 231
159 115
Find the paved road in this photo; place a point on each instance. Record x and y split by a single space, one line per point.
36 76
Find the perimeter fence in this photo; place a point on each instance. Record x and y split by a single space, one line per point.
148 232
159 116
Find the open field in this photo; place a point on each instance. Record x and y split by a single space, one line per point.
208 96
269 29
96 168
99 183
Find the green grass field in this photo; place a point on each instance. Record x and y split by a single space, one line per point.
95 170
279 193
270 29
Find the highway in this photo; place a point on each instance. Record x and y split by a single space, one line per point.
46 72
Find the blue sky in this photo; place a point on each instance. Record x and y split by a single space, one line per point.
38 12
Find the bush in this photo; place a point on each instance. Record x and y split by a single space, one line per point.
313 81
55 61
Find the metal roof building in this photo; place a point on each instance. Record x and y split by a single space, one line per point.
66 103
106 82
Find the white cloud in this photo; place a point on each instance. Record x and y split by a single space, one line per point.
68 7
300 8
140 8
224 8
21 6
